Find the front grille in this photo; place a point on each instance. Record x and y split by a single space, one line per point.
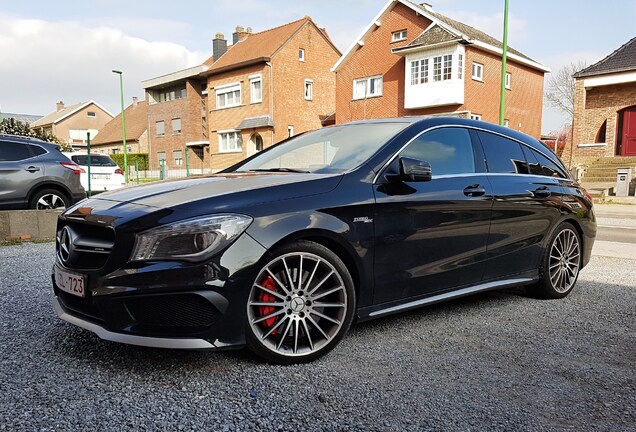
176 310
90 245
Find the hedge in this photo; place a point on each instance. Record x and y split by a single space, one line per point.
132 158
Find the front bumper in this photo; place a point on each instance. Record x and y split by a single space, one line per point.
130 339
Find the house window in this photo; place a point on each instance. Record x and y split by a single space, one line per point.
478 71
309 89
460 66
230 141
161 128
256 89
398 36
506 123
162 158
176 126
178 157
367 87
437 68
114 151
168 94
301 55
475 116
448 67
290 131
508 78
419 72
228 96
91 114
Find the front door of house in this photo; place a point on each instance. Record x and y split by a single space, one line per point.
628 137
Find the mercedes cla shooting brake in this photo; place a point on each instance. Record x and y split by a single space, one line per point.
283 251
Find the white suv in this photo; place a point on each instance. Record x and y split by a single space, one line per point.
105 174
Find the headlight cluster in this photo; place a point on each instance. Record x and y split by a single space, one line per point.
190 240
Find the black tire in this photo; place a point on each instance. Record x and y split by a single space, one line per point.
560 264
49 199
300 305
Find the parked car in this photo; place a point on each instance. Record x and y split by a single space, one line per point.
35 174
105 174
283 251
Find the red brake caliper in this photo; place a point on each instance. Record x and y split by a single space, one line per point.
264 297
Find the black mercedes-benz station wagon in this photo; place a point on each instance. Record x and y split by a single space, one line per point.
283 251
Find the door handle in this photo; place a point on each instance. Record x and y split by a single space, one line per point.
542 192
32 169
474 190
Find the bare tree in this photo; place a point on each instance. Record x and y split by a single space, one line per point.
561 88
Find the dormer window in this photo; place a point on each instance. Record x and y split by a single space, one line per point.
398 36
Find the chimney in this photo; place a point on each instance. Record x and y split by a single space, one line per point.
240 33
427 6
219 46
135 101
59 106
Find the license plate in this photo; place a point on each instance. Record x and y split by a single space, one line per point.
100 176
72 283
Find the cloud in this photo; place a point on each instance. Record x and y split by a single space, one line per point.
42 62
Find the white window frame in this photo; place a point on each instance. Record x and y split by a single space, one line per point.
398 36
223 90
178 161
163 127
508 80
309 89
290 131
367 87
478 71
475 116
506 123
301 54
253 80
460 66
227 146
176 131
91 114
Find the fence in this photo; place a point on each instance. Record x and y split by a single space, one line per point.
146 176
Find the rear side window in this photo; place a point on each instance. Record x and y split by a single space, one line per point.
37 150
503 155
541 165
448 150
10 151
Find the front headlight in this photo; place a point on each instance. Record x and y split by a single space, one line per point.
193 239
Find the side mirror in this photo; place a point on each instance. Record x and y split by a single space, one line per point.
415 170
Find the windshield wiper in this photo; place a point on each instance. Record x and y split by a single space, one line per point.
292 170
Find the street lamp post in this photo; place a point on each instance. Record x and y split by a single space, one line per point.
123 124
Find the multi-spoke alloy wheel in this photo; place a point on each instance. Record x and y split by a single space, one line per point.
300 304
49 200
561 263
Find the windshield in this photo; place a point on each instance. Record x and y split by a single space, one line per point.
330 150
96 160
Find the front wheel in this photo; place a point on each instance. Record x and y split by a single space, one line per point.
49 199
300 305
561 263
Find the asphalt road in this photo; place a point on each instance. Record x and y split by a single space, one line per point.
499 361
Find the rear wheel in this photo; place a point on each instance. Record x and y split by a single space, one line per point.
561 263
300 305
49 199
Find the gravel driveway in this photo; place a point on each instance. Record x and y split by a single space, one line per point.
498 361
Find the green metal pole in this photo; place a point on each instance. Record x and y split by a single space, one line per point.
137 169
88 161
187 163
504 57
123 124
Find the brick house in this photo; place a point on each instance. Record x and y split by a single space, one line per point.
249 95
411 60
109 140
267 87
71 124
605 108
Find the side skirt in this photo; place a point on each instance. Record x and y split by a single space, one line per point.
378 311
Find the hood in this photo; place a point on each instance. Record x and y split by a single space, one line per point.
192 192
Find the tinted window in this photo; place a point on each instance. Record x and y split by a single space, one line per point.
448 150
37 150
541 165
96 160
10 151
503 155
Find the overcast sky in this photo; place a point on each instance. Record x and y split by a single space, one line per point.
65 49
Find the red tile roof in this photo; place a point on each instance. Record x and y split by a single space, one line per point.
136 125
256 46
